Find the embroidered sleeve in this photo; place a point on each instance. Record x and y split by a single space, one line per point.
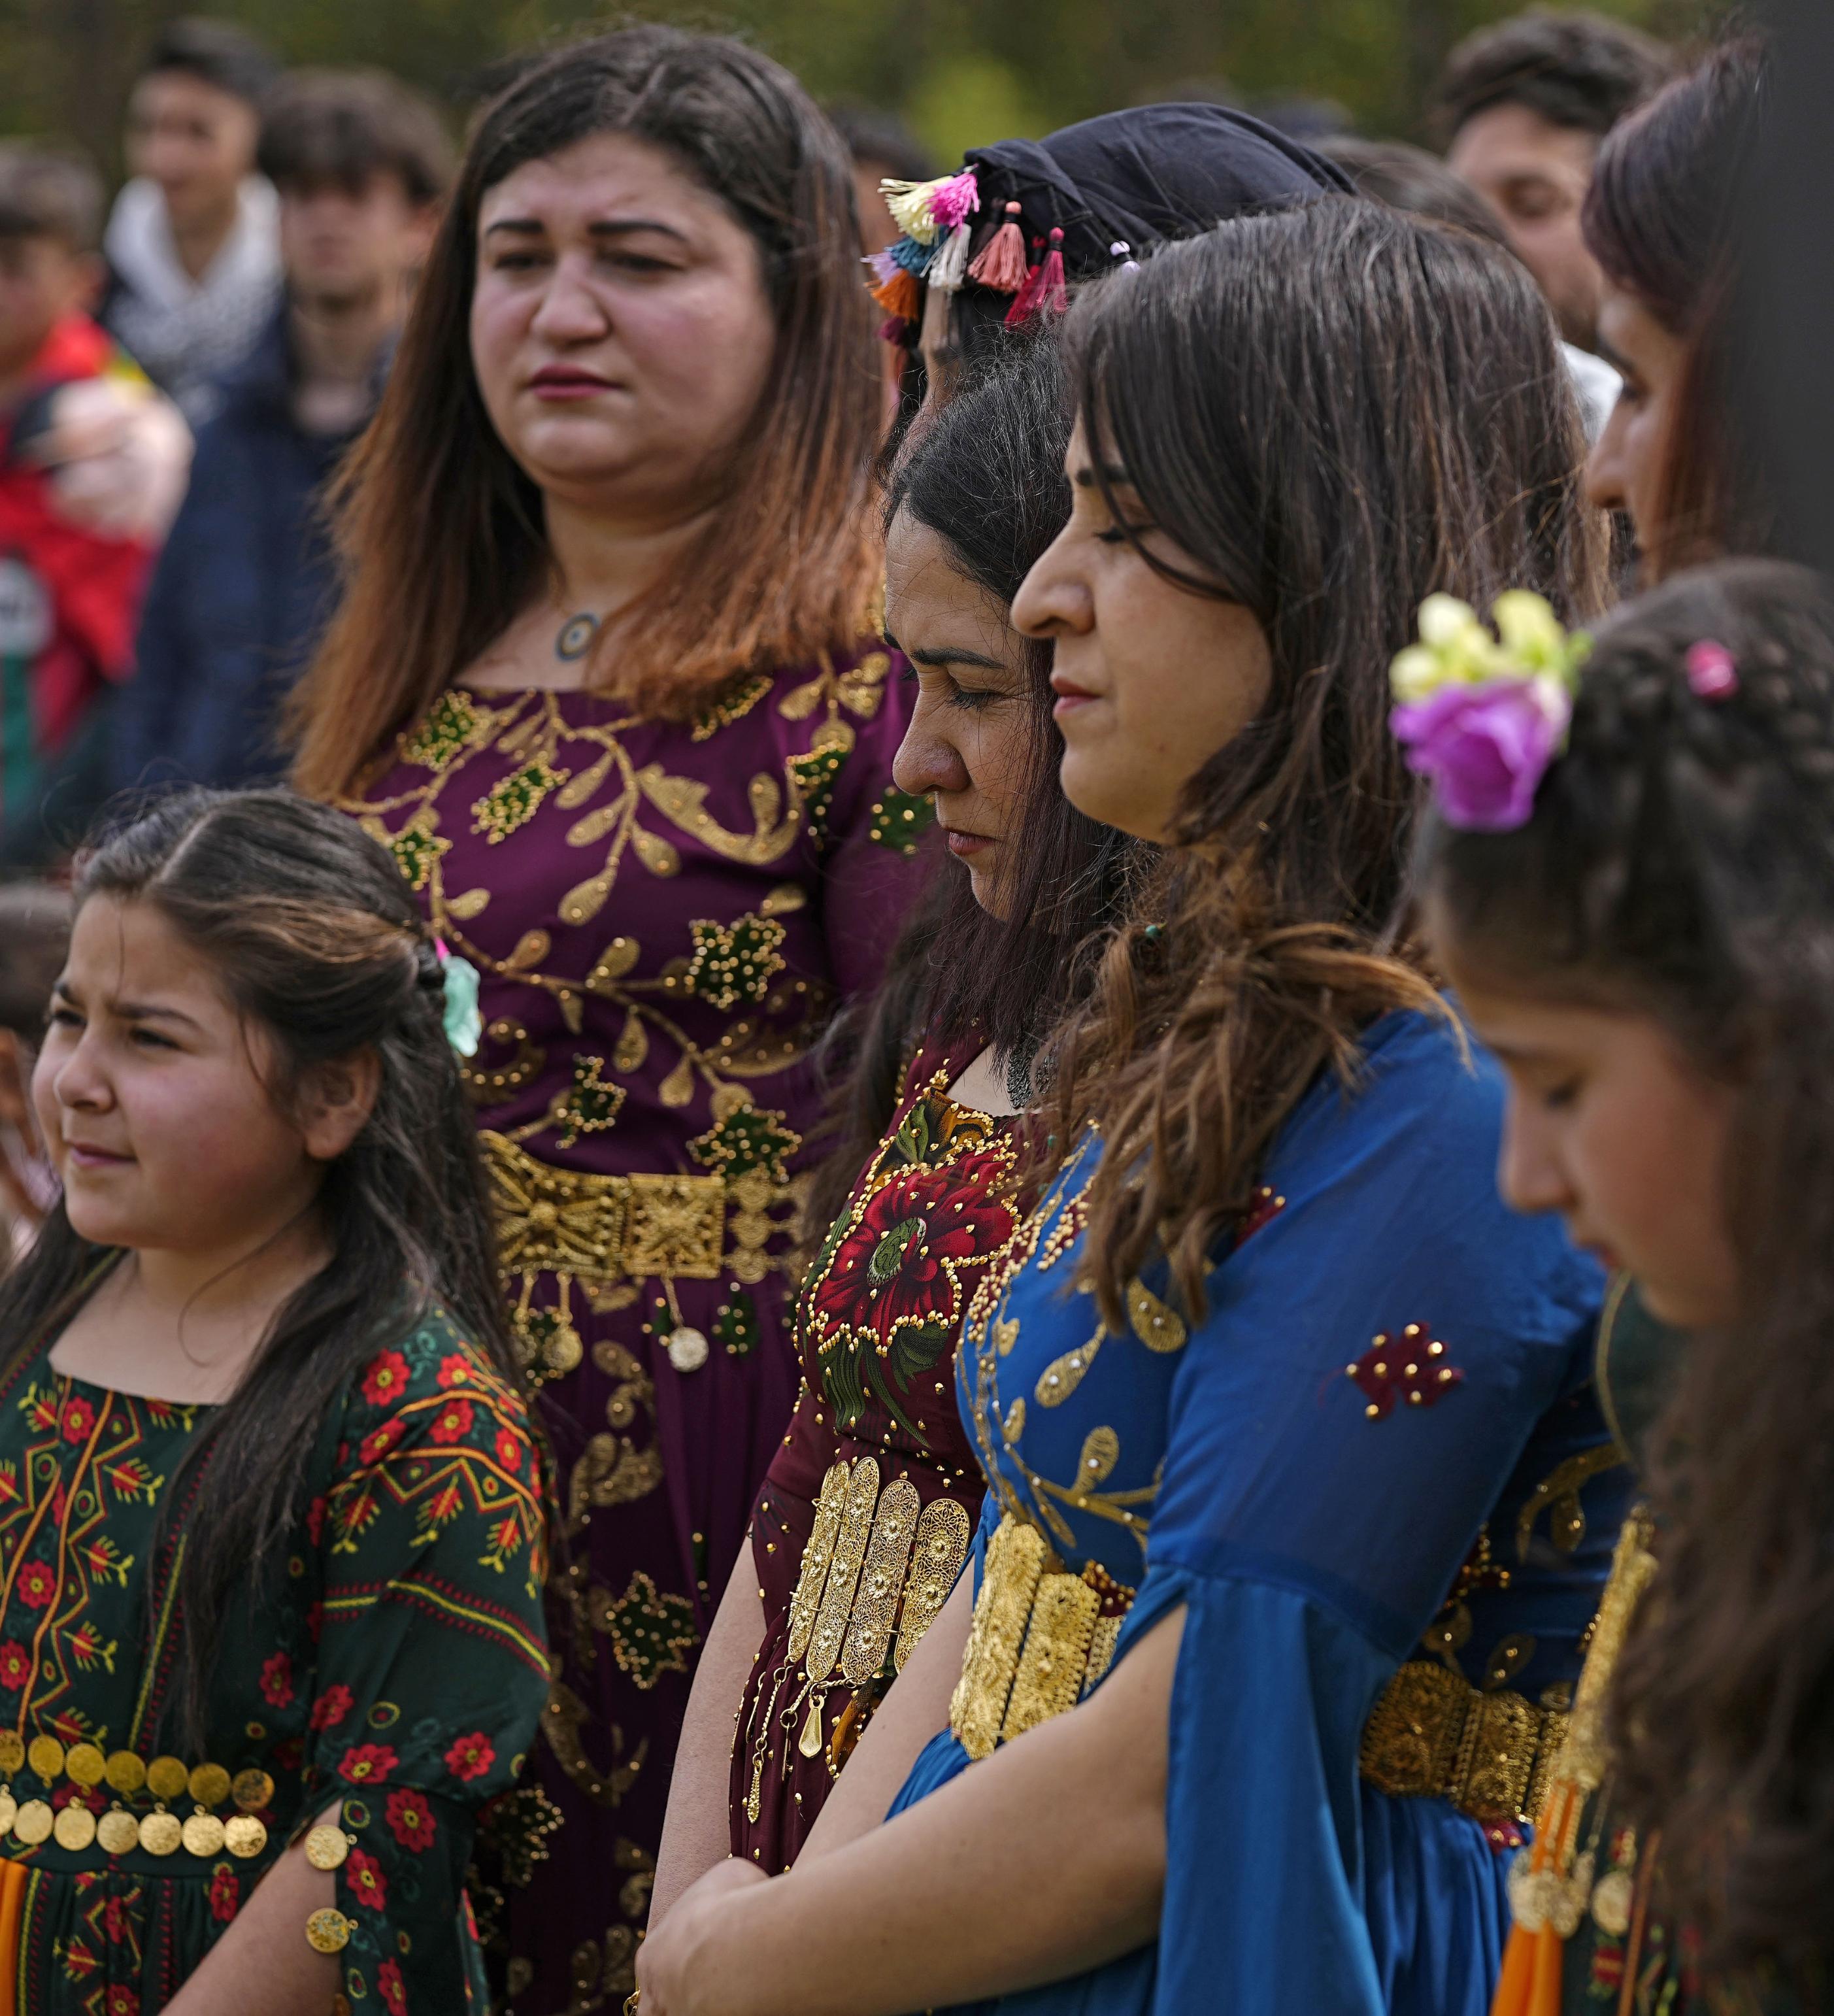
432 1663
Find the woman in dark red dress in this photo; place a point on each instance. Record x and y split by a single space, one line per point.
608 682
865 1516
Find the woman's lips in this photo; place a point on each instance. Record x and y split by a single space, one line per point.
82 1157
561 386
1070 696
963 844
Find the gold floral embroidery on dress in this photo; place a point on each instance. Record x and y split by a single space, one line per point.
452 725
651 1632
899 821
733 703
509 805
589 1105
1559 1496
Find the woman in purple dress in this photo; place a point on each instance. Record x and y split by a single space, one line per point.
606 683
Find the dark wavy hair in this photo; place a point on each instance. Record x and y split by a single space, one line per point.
1680 863
986 475
1666 217
441 531
1334 411
307 924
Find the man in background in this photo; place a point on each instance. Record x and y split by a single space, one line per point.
1526 104
245 583
194 259
71 581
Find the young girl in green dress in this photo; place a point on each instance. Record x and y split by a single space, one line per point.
271 1531
1644 935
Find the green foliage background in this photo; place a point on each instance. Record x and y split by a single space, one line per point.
963 71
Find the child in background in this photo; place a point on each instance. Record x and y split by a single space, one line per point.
1645 937
272 1519
34 931
73 566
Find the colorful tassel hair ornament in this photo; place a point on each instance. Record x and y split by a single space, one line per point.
895 329
915 258
1044 292
924 210
949 268
1000 265
902 295
881 265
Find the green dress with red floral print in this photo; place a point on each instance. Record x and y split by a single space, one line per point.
395 1668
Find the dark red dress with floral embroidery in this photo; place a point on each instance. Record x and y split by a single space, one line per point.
399 1667
866 1513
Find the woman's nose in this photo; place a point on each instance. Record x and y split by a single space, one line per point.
571 311
927 762
1604 481
1053 600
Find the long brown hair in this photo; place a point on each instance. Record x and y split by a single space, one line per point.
1680 864
441 532
1334 411
1666 218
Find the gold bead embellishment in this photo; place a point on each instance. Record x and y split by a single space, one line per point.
328 1931
74 1827
327 1847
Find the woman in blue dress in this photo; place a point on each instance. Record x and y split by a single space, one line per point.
1300 1501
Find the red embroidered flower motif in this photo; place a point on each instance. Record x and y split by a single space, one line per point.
36 1585
368 1763
79 1420
471 1756
453 1423
1413 1366
369 1885
121 2000
389 1986
386 1379
897 1267
114 1920
331 1706
410 1819
15 1664
277 1680
454 1370
509 1450
225 1893
315 1520
379 1442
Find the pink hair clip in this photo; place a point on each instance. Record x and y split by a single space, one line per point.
1713 671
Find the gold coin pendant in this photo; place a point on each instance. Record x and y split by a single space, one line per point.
328 1931
33 1823
45 1755
167 1778
8 1813
119 1832
244 1835
252 1790
203 1835
209 1784
125 1772
75 1827
327 1847
86 1764
160 1834
12 1753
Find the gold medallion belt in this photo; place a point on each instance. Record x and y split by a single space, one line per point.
1043 1636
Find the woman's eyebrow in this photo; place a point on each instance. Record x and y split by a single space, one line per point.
948 654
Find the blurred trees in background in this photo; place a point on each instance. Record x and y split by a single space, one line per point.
962 70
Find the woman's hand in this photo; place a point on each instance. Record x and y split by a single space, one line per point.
664 1957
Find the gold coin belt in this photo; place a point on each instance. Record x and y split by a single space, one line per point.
161 1832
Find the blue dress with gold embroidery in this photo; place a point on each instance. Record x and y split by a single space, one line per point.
1375 1479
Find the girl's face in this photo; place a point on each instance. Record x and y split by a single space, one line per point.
621 330
1624 470
1151 680
970 738
150 1096
1609 1124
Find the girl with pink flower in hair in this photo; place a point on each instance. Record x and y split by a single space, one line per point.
1640 924
272 1520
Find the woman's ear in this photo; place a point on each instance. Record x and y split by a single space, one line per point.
335 1101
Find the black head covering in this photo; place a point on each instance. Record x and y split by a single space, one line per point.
1144 176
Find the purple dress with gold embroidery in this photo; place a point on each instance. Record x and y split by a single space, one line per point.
664 917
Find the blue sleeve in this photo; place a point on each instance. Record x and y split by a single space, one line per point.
1314 1514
